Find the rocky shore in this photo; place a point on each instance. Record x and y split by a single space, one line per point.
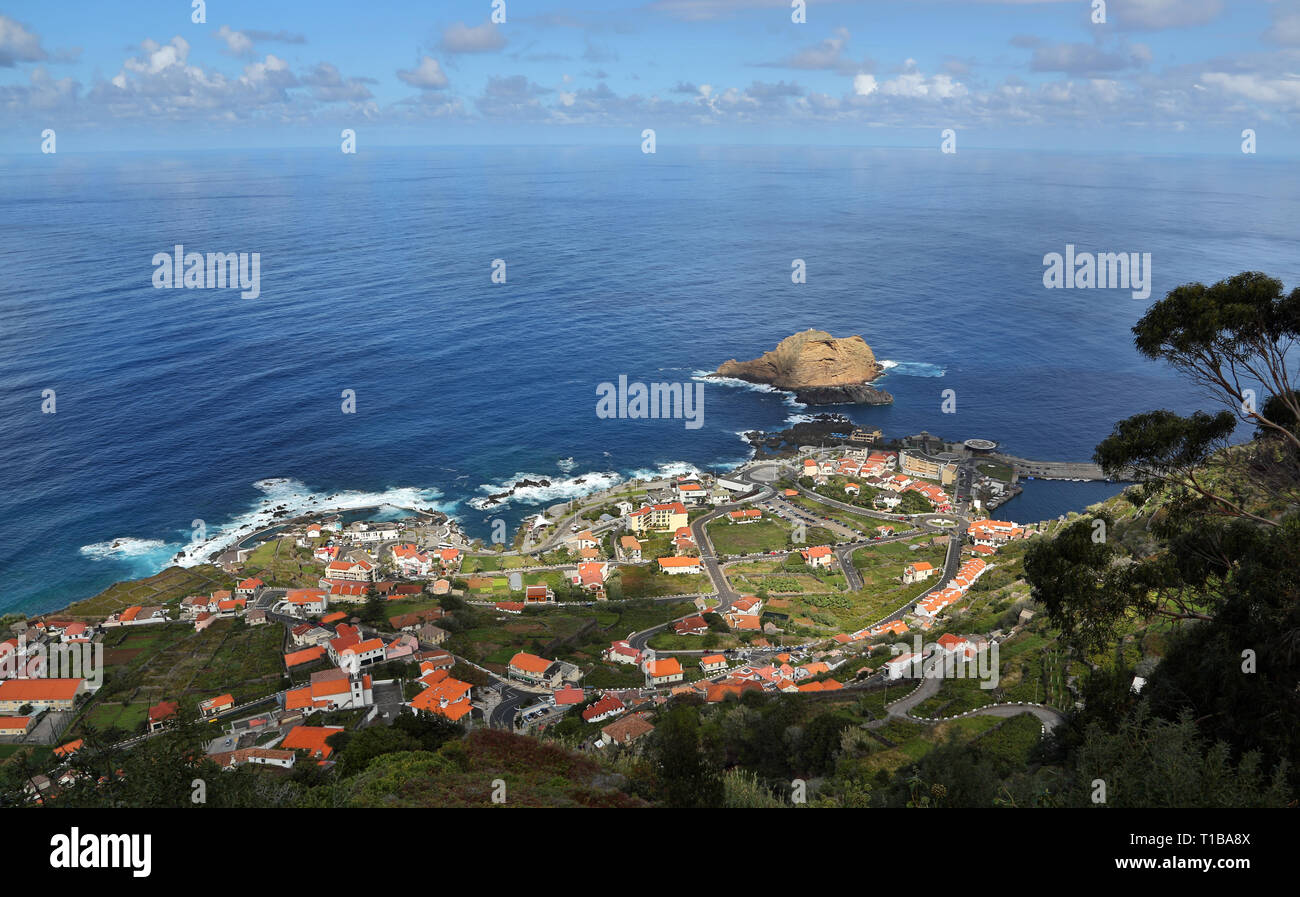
822 429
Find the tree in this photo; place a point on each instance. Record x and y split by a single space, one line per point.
914 503
682 776
1220 552
1233 338
361 748
1152 762
375 610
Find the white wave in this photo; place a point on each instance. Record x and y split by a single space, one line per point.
284 499
125 548
566 464
787 397
556 490
709 377
912 368
671 469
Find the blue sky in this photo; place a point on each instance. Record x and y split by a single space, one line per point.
1156 76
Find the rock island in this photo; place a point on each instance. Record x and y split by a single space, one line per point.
818 368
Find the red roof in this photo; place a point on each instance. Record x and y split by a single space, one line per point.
312 739
607 704
162 710
530 663
669 666
306 655
39 689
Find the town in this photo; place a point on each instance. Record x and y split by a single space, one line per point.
798 576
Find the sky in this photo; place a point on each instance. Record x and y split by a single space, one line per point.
1164 76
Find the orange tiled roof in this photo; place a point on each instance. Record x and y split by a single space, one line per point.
530 663
669 666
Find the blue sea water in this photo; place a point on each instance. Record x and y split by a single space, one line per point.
177 406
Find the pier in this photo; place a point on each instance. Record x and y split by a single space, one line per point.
1055 470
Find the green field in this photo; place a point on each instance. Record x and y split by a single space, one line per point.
834 488
772 576
996 471
498 587
167 587
149 664
826 607
645 582
853 521
711 641
283 563
768 534
1031 667
486 563
575 634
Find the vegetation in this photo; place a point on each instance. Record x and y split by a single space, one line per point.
1215 556
167 587
148 664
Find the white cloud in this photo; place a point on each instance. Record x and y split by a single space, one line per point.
17 44
1256 88
428 75
1156 15
913 84
1083 59
40 94
460 38
829 54
864 85
1285 29
695 10
238 43
156 58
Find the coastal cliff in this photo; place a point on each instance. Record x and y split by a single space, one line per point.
818 368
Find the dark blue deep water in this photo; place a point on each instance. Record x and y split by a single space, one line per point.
183 405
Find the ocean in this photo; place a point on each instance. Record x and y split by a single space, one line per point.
178 409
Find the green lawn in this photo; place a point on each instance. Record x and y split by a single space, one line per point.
996 471
768 534
646 582
486 563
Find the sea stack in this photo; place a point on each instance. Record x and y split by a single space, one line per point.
818 368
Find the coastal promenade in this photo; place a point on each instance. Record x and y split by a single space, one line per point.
1052 470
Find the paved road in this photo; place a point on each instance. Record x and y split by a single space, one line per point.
503 714
952 560
929 687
